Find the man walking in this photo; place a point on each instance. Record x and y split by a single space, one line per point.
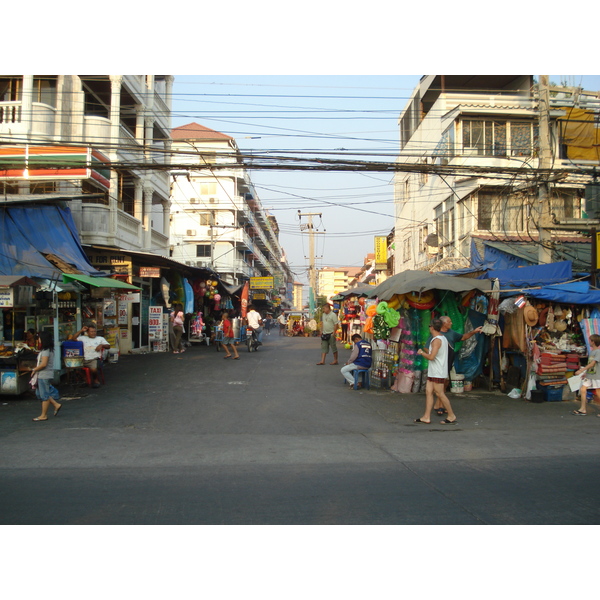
360 358
329 325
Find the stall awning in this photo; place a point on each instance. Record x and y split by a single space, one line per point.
101 282
32 236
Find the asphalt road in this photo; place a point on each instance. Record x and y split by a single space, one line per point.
274 439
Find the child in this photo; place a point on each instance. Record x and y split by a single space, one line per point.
228 337
592 379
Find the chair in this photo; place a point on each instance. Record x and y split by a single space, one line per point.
88 373
366 380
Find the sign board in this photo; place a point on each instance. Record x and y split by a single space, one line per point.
118 263
122 313
135 297
6 297
149 271
155 323
259 296
380 252
261 283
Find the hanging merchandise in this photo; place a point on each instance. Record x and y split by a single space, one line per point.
380 330
424 301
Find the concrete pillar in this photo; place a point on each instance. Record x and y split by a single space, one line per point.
138 200
115 113
27 103
146 221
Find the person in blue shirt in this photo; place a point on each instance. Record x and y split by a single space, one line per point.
360 358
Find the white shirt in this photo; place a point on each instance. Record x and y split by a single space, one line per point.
90 345
438 367
253 319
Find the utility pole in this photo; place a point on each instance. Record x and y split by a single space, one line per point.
545 162
212 240
312 273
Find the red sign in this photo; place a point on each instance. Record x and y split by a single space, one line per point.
149 272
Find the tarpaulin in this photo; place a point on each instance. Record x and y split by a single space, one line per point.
29 233
537 275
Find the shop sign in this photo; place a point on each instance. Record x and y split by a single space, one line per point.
380 253
155 323
259 296
261 283
149 271
6 297
136 297
122 313
118 263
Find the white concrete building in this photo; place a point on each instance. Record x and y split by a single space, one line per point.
217 219
454 220
124 118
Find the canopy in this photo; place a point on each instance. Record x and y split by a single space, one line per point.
537 275
359 290
564 293
104 282
32 234
421 281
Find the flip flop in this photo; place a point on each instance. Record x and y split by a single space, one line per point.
228 356
447 422
56 411
38 419
578 413
424 422
320 363
441 411
236 358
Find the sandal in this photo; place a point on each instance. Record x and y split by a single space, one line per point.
441 411
38 419
578 413
447 422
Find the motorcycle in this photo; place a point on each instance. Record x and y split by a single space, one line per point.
252 340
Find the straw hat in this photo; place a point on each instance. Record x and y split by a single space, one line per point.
560 325
531 315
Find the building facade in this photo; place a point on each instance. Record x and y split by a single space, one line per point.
470 193
217 219
333 280
124 119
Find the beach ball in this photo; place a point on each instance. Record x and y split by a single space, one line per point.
348 346
213 283
217 297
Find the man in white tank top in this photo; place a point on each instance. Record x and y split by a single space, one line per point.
436 374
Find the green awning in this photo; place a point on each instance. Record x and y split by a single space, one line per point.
103 282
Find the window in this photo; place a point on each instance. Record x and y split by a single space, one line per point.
204 219
407 249
423 233
44 90
203 250
11 89
208 189
445 149
484 211
495 138
96 93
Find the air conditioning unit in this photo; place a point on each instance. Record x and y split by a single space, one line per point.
212 200
193 200
190 232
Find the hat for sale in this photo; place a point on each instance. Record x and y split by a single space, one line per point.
531 315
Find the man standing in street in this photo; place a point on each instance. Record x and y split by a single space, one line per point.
329 325
282 324
360 358
255 322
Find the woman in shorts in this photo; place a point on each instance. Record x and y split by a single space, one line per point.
44 370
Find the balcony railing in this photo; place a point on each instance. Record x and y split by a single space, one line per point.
10 112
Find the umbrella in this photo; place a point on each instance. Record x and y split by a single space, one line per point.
359 290
421 281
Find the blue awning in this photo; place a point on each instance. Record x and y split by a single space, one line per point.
29 233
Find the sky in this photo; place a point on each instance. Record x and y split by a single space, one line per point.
338 114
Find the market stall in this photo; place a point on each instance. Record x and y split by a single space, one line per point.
398 314
17 351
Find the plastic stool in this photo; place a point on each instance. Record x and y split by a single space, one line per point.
88 375
366 381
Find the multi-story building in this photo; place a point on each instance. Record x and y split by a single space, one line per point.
470 194
333 280
85 121
217 219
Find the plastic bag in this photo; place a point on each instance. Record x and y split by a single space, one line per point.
514 393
